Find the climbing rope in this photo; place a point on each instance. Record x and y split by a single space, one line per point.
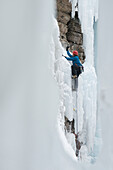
76 112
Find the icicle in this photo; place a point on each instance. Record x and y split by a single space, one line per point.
74 7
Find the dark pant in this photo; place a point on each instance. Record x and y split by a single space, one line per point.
75 70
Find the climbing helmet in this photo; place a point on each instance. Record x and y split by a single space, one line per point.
75 52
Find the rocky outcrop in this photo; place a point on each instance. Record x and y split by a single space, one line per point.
64 6
75 37
64 9
70 28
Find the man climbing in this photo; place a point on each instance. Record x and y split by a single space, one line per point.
77 67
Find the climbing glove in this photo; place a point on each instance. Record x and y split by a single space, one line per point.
67 48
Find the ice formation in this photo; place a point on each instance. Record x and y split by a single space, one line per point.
29 95
81 105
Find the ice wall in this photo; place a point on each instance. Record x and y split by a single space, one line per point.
62 72
29 139
105 81
28 100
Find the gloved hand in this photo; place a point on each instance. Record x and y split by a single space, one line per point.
67 48
63 55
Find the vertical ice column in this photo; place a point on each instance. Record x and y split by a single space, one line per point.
74 3
62 73
88 11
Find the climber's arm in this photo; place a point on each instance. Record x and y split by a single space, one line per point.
71 58
69 54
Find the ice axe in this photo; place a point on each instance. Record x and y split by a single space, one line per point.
63 55
71 45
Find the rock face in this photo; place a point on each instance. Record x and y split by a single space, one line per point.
64 9
70 28
64 6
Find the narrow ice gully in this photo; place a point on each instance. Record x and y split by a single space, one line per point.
81 105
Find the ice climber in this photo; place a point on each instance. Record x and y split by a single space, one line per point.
77 67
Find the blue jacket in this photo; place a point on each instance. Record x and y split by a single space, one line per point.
74 59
